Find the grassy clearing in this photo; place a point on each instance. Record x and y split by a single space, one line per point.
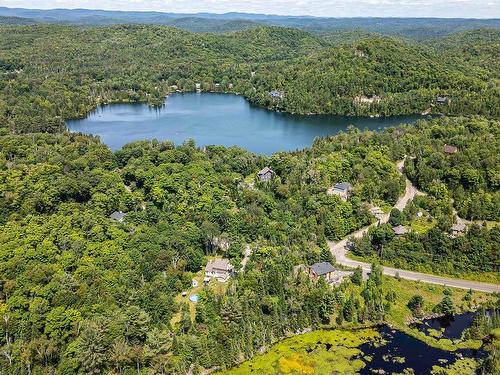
217 287
422 224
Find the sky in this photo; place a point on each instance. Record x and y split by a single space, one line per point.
326 8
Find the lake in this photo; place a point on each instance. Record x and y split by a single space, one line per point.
218 119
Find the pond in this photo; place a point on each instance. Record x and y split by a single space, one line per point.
381 350
448 326
218 119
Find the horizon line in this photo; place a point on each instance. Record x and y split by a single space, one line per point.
246 13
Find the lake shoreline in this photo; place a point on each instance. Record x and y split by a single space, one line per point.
218 119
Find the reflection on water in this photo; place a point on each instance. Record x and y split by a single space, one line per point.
400 351
218 119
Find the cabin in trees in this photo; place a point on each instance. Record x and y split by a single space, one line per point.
442 100
450 150
118 216
266 174
400 230
458 229
275 94
323 269
342 189
220 269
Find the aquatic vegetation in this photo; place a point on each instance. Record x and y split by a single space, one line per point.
318 352
463 366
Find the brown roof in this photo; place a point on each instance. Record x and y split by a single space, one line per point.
450 149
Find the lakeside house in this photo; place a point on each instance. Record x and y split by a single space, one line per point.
458 229
400 230
266 174
443 100
341 189
450 150
365 100
220 269
198 86
275 94
118 216
323 269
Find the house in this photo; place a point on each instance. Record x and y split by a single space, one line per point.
443 100
450 149
174 87
118 216
266 174
341 189
230 86
323 269
221 269
364 100
458 229
275 94
399 230
198 87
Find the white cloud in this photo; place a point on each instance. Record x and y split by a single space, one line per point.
332 8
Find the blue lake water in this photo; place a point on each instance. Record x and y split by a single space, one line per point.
218 119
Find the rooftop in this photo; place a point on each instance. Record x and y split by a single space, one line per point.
458 227
343 186
322 268
219 264
265 170
450 149
399 230
117 215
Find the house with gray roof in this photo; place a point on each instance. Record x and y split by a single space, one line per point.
323 269
458 229
118 216
266 174
341 189
220 269
275 94
399 230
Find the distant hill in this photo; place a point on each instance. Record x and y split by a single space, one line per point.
415 28
9 20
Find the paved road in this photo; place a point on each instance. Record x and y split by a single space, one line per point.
339 250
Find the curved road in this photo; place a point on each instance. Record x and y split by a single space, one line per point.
339 250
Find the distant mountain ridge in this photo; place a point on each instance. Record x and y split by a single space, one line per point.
417 28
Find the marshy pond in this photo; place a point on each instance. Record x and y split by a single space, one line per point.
379 350
218 119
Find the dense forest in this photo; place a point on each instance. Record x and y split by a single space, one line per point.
82 293
50 73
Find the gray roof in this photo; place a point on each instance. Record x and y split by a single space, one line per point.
342 186
265 170
458 227
117 215
400 230
218 264
322 268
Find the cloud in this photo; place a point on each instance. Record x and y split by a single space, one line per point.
331 8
